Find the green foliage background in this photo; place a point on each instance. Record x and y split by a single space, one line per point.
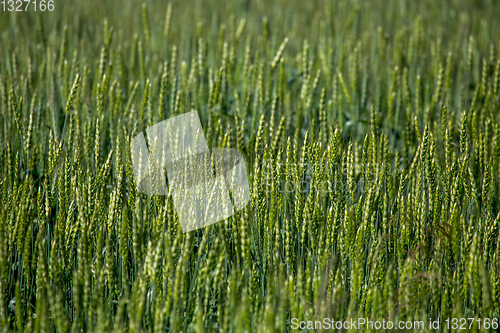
401 97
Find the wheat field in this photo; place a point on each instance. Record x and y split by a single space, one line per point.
371 137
